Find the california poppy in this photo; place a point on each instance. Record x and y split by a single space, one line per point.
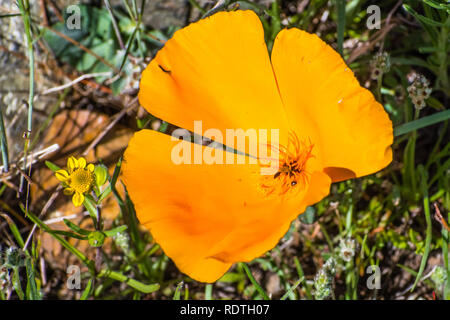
218 70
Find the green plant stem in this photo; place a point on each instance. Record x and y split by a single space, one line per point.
24 7
379 85
426 208
254 282
442 55
63 242
114 23
4 143
301 275
341 26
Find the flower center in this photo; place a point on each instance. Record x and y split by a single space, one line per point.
292 167
81 180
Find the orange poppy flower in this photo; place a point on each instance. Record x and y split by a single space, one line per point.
207 217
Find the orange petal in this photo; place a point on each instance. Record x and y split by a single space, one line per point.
325 100
218 71
206 217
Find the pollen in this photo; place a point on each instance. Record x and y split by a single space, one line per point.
81 180
292 173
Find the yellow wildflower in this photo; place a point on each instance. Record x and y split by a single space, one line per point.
78 179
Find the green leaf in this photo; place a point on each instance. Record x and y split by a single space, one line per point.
87 291
91 208
96 238
104 27
422 122
69 234
16 283
76 228
105 193
177 294
422 18
434 103
52 166
437 5
113 232
145 288
309 216
232 277
32 291
15 231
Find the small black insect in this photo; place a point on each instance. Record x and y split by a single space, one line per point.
164 70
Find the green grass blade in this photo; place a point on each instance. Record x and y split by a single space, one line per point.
254 282
340 26
291 289
426 207
208 291
4 143
437 5
301 275
421 123
16 283
32 291
14 230
177 294
87 291
422 18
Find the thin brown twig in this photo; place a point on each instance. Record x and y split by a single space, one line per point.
114 23
367 46
25 175
6 207
75 81
438 216
9 184
56 10
44 12
85 49
389 17
103 133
